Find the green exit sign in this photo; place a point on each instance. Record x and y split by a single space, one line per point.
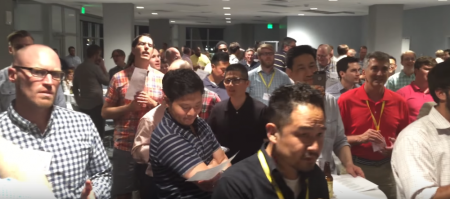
83 10
269 26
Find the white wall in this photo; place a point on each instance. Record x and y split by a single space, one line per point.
330 30
5 30
427 28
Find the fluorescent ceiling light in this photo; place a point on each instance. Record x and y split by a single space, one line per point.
225 0
227 18
154 13
228 21
301 14
227 14
226 8
140 7
442 0
332 0
172 21
313 8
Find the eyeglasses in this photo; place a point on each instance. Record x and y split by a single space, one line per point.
42 73
234 81
223 50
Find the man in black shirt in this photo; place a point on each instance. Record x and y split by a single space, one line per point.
286 165
119 59
239 123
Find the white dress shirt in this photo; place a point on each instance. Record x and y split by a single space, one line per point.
421 157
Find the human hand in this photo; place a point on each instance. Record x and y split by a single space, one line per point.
354 170
372 136
387 151
134 106
87 192
208 185
321 89
144 99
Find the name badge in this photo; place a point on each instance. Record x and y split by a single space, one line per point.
40 159
266 96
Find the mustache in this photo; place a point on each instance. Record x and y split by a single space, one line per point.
311 155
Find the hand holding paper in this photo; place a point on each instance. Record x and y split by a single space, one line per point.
209 174
137 83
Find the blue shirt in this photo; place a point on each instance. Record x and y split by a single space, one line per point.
219 89
257 87
8 92
175 150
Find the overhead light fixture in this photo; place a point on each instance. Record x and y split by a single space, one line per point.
332 0
442 0
172 21
140 7
301 14
227 18
228 21
226 8
227 14
313 8
154 13
225 0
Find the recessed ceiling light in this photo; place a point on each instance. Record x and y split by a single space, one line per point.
140 7
225 0
227 18
227 14
172 21
228 21
313 8
332 0
442 0
154 13
226 8
301 14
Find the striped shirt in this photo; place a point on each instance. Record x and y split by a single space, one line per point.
175 150
280 60
399 80
257 88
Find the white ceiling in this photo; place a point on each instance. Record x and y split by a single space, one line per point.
211 12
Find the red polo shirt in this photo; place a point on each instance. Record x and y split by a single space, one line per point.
357 118
415 99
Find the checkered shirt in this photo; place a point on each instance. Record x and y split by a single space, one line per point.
73 140
125 126
399 80
210 99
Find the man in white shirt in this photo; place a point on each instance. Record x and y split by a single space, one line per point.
72 59
348 70
420 161
234 52
342 51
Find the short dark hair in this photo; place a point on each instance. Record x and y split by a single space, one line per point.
438 79
234 47
447 51
286 98
220 57
121 53
186 50
287 41
342 49
18 34
390 57
363 47
377 55
425 60
220 43
342 65
297 51
181 82
238 68
93 50
70 47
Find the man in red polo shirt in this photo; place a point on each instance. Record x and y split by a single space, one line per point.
373 116
416 94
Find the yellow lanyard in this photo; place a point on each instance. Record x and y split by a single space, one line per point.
264 81
266 169
377 124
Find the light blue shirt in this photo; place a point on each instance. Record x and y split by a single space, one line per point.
8 92
257 88
337 89
73 61
399 80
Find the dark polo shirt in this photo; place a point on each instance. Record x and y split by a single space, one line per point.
247 180
219 89
240 130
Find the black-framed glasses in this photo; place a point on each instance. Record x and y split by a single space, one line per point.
42 73
234 81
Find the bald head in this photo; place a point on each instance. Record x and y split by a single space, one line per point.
39 56
180 64
351 53
172 54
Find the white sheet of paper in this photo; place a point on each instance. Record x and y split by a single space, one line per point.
40 159
347 187
209 174
266 96
137 83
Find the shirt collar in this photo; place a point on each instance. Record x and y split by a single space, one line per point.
417 89
24 123
438 120
167 115
403 74
231 107
361 93
259 69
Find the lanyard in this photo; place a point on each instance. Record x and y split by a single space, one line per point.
264 81
377 124
266 169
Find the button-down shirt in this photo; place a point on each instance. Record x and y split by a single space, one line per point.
257 88
174 150
357 119
218 89
87 85
248 180
209 100
399 80
331 70
420 160
8 92
337 90
77 150
233 59
125 126
202 61
280 60
415 99
73 61
335 137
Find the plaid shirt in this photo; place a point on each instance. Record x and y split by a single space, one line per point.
209 100
125 126
399 80
330 68
77 151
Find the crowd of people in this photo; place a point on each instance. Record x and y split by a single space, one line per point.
282 115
